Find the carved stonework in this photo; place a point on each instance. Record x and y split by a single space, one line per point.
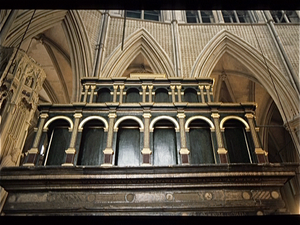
21 80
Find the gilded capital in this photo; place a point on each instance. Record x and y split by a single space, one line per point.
44 115
181 115
147 115
215 115
77 115
112 115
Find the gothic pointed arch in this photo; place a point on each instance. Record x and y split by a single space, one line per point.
227 43
140 42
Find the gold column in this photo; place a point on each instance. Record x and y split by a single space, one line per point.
144 87
92 93
179 92
173 93
115 92
146 152
184 152
260 153
202 93
207 87
150 92
34 151
108 151
221 150
71 151
86 87
121 93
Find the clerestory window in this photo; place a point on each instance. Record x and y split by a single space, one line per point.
285 16
203 16
232 16
154 15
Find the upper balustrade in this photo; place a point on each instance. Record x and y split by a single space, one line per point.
146 88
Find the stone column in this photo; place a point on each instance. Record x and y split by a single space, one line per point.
34 151
108 151
146 152
150 92
222 152
260 153
179 92
115 92
184 152
71 151
92 93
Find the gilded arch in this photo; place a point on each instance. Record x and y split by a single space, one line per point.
226 42
129 118
140 42
187 123
57 118
161 118
235 118
93 118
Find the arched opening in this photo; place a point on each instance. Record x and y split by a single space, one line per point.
132 95
103 95
190 95
236 142
128 149
161 95
164 143
57 140
92 143
201 148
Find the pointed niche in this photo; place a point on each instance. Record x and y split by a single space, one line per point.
138 65
141 53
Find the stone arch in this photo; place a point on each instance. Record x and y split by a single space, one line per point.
129 118
140 42
226 42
